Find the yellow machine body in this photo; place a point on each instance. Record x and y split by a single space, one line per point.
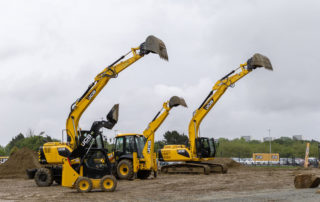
51 150
70 179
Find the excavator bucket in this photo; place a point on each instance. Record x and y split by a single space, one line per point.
176 101
155 45
259 60
113 114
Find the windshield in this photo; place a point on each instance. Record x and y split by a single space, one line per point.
99 142
141 141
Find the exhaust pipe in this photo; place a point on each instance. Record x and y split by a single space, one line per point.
176 101
154 45
259 60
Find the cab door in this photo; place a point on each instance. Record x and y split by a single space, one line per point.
119 147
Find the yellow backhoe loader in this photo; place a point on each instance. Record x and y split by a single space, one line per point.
51 154
195 156
88 166
134 155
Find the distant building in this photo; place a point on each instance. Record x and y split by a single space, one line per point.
284 138
246 138
297 137
266 139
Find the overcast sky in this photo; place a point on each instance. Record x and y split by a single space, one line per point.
50 51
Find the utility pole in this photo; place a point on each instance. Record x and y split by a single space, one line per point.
269 144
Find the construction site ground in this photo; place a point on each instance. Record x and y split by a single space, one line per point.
239 184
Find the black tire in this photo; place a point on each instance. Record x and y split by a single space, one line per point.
108 183
83 184
143 174
43 177
125 169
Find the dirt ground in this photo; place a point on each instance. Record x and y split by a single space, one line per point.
239 184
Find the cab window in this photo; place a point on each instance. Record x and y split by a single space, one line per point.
129 144
119 144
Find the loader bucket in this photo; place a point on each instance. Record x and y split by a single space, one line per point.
155 45
259 60
176 101
113 114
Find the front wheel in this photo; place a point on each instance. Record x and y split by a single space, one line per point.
125 169
43 177
108 183
83 184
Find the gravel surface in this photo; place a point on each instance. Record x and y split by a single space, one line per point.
239 184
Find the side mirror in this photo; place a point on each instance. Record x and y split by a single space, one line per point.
113 114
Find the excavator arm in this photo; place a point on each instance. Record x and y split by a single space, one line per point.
218 90
149 132
152 44
162 115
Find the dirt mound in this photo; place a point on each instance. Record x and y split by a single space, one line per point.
18 162
306 181
230 163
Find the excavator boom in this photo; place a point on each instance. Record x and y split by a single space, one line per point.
152 44
218 90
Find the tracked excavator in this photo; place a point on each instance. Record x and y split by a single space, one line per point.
195 156
51 154
134 155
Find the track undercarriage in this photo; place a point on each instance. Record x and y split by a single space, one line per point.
194 168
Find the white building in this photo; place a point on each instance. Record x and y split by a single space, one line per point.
297 137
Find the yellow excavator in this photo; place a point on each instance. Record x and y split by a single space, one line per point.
51 154
195 156
134 155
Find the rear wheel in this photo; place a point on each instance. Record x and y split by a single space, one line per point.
143 174
43 177
125 169
108 183
83 184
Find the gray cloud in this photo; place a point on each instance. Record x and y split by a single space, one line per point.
51 51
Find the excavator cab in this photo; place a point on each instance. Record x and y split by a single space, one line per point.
126 144
206 147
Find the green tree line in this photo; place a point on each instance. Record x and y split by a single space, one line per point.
30 140
285 146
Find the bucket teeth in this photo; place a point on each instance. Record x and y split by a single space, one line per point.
259 60
176 101
155 45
